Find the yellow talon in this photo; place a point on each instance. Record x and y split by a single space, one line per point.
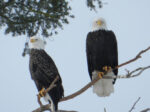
42 92
107 68
100 75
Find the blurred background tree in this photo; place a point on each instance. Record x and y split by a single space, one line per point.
29 17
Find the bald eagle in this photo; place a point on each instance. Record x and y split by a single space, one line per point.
43 71
102 55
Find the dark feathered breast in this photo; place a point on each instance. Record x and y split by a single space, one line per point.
43 71
101 49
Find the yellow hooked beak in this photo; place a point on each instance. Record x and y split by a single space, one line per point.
32 40
99 22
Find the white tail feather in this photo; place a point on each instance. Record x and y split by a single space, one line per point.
103 87
48 98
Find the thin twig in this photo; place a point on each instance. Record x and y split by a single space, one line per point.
134 104
141 69
134 59
131 74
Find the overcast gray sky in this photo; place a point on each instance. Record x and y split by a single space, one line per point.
130 21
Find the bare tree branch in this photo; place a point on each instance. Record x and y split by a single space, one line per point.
134 104
131 74
80 91
42 108
145 110
65 111
134 59
46 107
52 85
128 75
105 110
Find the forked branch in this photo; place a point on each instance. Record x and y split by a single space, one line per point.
131 74
128 75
